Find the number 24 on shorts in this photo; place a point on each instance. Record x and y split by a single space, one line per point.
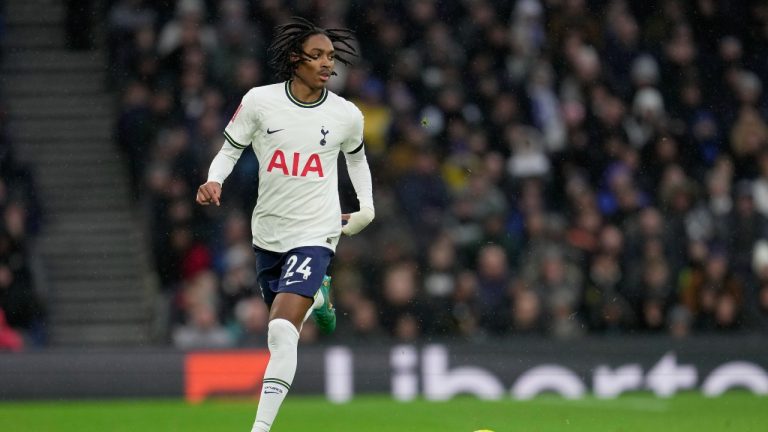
304 269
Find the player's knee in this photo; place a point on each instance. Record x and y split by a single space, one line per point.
282 336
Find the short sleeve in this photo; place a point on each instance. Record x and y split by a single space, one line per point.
354 141
244 123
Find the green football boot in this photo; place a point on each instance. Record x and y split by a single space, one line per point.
325 315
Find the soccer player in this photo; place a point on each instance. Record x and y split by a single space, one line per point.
297 129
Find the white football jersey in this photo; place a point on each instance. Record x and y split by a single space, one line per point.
297 145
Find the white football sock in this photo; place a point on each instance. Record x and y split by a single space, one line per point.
283 339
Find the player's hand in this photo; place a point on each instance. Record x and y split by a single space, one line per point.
357 221
209 193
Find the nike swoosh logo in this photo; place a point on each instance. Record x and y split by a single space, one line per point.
270 132
291 282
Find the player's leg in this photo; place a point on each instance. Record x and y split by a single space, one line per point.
280 338
290 307
322 308
301 273
317 303
286 316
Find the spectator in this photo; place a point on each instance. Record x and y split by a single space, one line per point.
21 307
607 310
365 322
656 292
405 314
203 331
544 162
707 287
250 327
465 306
423 196
493 284
10 340
680 322
439 281
747 226
187 29
527 316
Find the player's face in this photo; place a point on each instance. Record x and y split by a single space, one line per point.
317 68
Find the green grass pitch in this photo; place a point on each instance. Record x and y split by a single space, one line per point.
687 412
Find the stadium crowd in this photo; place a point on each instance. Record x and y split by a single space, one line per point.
549 167
22 312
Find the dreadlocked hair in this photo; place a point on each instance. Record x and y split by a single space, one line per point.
291 36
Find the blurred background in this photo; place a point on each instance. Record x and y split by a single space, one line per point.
562 169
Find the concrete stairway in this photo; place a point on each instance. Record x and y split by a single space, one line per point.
61 118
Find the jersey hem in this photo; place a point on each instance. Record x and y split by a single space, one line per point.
294 246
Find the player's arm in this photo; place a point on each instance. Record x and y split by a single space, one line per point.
237 133
360 174
221 166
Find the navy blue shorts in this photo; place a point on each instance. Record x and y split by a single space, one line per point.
299 271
